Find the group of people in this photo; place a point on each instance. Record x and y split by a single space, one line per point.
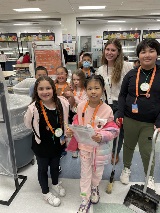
24 58
96 99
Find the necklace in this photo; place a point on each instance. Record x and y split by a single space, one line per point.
63 88
94 113
145 87
75 93
58 132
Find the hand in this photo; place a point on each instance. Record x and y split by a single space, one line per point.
97 138
156 128
68 94
69 133
119 122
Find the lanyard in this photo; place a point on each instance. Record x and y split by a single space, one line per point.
75 93
63 88
109 83
94 114
150 83
88 73
46 118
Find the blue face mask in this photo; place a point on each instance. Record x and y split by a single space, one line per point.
86 64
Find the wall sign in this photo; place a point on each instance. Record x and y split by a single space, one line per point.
37 36
151 34
125 35
8 37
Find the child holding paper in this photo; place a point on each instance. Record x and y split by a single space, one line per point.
98 115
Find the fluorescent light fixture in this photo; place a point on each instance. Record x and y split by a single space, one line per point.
158 19
154 13
20 24
91 7
91 14
27 10
116 21
126 47
128 51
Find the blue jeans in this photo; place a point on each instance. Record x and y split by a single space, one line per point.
43 164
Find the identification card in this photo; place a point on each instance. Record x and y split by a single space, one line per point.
110 100
134 108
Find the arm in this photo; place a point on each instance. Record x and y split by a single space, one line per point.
28 118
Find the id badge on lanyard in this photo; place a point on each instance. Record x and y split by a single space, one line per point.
134 108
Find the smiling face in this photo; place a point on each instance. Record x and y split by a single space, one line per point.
40 73
45 91
148 57
94 92
111 53
61 75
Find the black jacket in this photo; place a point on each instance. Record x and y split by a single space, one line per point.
148 108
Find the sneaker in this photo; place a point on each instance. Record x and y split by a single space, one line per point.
59 189
95 194
75 154
51 199
151 184
124 178
84 207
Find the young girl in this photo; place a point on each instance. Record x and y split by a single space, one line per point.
99 115
63 87
46 116
79 92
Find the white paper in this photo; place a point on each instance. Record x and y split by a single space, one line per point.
83 134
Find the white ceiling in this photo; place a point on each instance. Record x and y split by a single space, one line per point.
52 10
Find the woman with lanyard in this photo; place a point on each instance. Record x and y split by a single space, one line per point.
113 71
139 106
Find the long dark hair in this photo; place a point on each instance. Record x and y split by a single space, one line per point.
55 98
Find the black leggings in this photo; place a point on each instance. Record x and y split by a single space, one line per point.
43 164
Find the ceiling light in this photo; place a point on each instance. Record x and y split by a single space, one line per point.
27 10
158 19
22 24
154 13
91 7
116 21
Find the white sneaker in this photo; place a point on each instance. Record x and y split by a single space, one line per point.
59 189
95 194
75 154
84 207
51 199
124 178
151 184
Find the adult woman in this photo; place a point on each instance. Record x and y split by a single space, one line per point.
138 104
113 70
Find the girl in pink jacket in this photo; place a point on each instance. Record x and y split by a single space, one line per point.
98 115
46 117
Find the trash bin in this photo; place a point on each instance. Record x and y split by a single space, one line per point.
22 88
21 135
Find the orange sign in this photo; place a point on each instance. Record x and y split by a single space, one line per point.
50 59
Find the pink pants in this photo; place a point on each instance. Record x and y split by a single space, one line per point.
89 176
